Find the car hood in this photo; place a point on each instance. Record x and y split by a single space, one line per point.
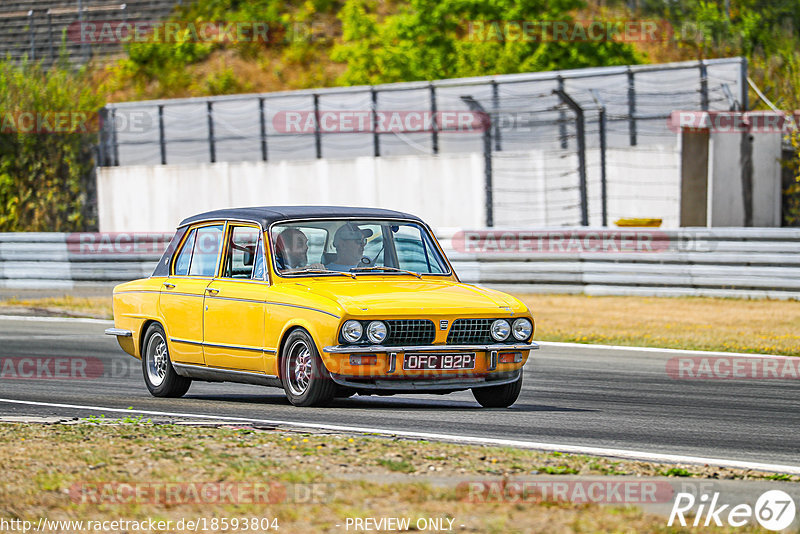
407 297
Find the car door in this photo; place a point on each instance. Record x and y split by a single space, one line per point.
183 292
234 316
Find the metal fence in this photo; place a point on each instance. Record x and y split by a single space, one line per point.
524 110
40 30
546 137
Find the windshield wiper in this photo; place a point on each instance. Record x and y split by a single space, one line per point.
393 269
351 275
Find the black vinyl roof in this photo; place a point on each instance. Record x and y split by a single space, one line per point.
267 215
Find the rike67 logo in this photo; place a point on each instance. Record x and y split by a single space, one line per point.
774 510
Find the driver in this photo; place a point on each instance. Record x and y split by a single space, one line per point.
349 241
291 251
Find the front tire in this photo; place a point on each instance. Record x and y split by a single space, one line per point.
305 379
159 375
501 396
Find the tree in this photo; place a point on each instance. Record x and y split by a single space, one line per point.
433 39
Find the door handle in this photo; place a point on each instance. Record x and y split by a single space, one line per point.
168 285
212 291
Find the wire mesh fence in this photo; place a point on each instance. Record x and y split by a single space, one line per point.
547 138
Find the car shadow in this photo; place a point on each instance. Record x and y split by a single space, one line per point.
385 403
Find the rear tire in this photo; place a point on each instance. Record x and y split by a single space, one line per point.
159 375
498 396
304 376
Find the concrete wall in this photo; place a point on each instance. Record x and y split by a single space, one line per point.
445 190
531 188
727 190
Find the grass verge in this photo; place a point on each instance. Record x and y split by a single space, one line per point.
697 323
54 471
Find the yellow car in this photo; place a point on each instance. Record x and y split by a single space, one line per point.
323 302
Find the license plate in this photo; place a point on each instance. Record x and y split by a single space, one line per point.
433 362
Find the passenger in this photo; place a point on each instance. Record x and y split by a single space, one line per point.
349 241
291 251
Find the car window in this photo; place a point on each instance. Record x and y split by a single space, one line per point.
415 251
240 258
185 256
206 251
364 246
260 269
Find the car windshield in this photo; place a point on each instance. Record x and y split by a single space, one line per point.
356 247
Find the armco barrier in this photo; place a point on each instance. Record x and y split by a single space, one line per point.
724 262
66 261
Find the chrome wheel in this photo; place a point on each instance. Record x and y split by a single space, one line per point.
157 359
298 367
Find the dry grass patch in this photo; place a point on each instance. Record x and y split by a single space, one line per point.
702 323
66 306
42 466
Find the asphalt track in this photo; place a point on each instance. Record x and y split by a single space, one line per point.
622 399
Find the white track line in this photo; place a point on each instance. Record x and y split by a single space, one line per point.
589 346
55 319
475 440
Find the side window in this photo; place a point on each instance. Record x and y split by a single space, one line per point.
415 252
208 243
184 257
240 258
259 269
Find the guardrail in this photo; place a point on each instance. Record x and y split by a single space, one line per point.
722 262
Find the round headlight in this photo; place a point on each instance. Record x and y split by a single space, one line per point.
522 329
352 331
376 331
500 330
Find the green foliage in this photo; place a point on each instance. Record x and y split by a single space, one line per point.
676 472
432 39
44 177
159 69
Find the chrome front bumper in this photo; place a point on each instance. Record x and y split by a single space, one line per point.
119 332
361 349
434 385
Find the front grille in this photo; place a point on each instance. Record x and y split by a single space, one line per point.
410 332
466 331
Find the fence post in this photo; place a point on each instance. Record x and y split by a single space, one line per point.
50 35
434 123
579 123
562 118
102 138
212 148
376 141
744 88
32 34
486 124
161 140
496 109
603 182
317 132
703 85
263 128
631 107
114 144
